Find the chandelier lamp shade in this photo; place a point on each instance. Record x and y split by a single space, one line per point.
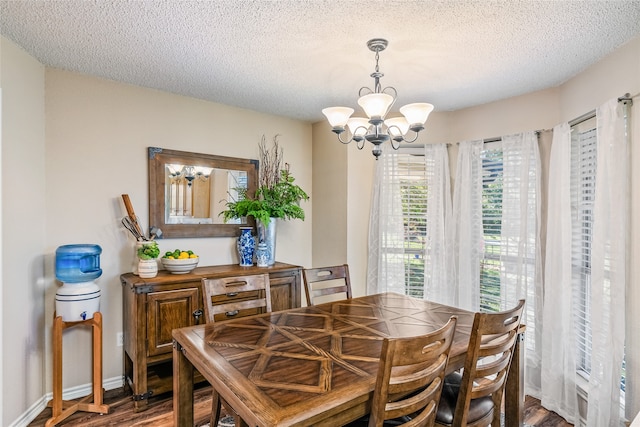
376 103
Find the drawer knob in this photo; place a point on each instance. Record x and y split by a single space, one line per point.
232 294
197 314
232 313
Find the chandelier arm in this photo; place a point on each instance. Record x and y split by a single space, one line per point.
411 140
360 144
399 131
368 91
396 145
344 142
391 88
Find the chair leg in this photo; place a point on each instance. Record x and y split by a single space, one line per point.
215 408
238 421
497 409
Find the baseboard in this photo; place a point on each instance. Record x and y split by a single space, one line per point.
68 394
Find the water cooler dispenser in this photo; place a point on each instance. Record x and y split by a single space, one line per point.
77 305
77 267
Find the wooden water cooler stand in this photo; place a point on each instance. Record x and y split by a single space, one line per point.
63 409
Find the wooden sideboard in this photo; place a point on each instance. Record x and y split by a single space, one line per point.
152 308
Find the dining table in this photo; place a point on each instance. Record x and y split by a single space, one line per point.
315 365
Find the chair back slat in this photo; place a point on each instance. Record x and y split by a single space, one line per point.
410 377
323 281
491 347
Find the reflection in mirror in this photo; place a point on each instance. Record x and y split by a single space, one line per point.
197 194
188 191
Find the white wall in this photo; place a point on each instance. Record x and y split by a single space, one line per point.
97 136
23 230
330 186
64 187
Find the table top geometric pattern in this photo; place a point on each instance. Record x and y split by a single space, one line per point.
309 356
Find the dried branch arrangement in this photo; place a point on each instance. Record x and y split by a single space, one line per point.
270 162
277 195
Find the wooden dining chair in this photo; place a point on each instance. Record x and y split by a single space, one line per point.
324 281
410 379
474 398
229 298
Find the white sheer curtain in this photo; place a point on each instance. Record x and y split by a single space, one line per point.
520 274
559 391
387 260
437 280
609 269
607 280
521 266
385 267
467 235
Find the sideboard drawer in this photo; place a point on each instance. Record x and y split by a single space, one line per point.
234 297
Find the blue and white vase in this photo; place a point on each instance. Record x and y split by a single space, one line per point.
246 246
262 255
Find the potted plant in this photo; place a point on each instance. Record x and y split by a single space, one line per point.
277 196
148 252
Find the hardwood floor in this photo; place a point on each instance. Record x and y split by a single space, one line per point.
121 412
536 415
160 412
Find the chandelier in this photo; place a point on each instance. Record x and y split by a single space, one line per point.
376 104
189 173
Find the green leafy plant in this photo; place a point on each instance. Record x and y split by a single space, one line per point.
277 195
149 250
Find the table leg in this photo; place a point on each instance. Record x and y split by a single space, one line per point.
514 393
182 388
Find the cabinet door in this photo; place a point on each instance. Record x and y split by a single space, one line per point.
166 311
284 291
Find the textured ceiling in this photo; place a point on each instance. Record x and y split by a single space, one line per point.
295 57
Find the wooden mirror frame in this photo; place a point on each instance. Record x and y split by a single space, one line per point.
159 157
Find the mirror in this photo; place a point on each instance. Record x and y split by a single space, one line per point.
187 191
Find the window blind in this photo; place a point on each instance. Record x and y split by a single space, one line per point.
509 198
411 178
492 194
583 174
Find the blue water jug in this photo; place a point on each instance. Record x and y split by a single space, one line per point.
78 263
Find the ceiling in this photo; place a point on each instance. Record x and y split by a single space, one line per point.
294 57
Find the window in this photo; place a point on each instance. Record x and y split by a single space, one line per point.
509 268
407 226
509 219
492 189
411 180
583 187
583 174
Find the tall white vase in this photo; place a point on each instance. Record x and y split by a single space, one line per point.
267 234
